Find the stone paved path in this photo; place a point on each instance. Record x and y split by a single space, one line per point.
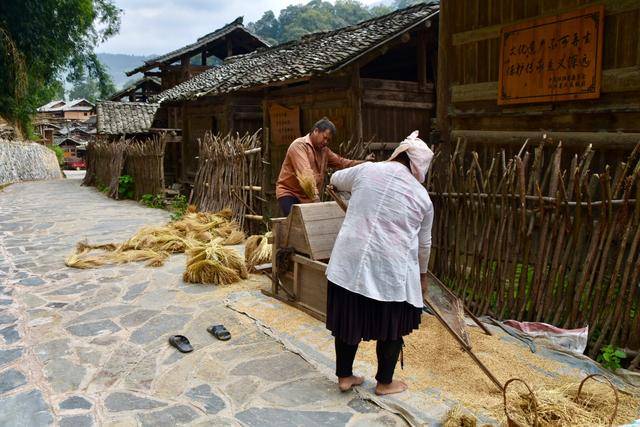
89 347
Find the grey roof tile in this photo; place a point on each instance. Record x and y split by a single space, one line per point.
117 118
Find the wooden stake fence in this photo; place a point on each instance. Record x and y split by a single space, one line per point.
105 161
524 238
145 163
230 175
143 160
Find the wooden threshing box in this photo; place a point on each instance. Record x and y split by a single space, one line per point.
302 245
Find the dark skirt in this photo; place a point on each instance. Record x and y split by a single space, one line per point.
353 317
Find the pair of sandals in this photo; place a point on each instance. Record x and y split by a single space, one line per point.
184 346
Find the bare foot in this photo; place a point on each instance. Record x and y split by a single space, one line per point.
394 387
346 383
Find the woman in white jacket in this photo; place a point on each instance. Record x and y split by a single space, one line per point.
376 274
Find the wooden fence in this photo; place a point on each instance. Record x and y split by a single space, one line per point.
230 175
104 165
530 239
143 160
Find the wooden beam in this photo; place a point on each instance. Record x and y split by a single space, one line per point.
612 7
599 140
421 55
356 101
442 77
613 81
229 46
316 265
398 104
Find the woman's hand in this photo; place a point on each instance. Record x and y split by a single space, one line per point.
424 284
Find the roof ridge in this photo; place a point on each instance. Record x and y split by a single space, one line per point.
238 21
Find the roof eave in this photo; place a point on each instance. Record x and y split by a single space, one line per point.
381 43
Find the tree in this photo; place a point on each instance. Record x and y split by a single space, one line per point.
89 88
297 20
39 39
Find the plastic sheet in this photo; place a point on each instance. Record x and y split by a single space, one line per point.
573 340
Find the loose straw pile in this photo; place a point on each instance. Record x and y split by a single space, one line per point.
257 250
561 406
201 235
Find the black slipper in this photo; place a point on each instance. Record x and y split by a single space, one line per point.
181 343
220 332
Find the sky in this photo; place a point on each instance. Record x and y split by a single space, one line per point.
159 26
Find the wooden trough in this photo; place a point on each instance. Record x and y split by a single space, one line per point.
302 245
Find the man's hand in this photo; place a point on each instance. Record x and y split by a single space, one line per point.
370 158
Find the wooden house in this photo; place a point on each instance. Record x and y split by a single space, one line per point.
182 64
64 111
375 80
72 147
510 70
139 91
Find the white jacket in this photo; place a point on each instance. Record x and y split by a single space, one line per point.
385 239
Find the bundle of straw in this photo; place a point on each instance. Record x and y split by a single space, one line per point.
307 182
214 263
83 259
257 250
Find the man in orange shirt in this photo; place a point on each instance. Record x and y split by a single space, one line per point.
305 164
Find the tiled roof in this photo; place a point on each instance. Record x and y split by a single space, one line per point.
117 118
77 105
56 105
200 43
316 53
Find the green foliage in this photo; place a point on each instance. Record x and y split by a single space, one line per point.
179 206
39 39
102 188
125 187
90 88
155 201
610 357
59 153
297 20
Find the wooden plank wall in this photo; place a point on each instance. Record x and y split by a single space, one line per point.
470 31
391 110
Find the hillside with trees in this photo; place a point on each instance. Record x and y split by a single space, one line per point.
297 20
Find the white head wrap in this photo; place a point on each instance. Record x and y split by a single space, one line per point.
419 154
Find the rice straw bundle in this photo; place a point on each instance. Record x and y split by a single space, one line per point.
235 237
161 238
83 259
214 263
307 182
257 250
85 246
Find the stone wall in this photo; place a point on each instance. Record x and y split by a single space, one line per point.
26 161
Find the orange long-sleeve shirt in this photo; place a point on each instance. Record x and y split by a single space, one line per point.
301 157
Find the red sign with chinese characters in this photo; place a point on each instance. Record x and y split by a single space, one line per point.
557 58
